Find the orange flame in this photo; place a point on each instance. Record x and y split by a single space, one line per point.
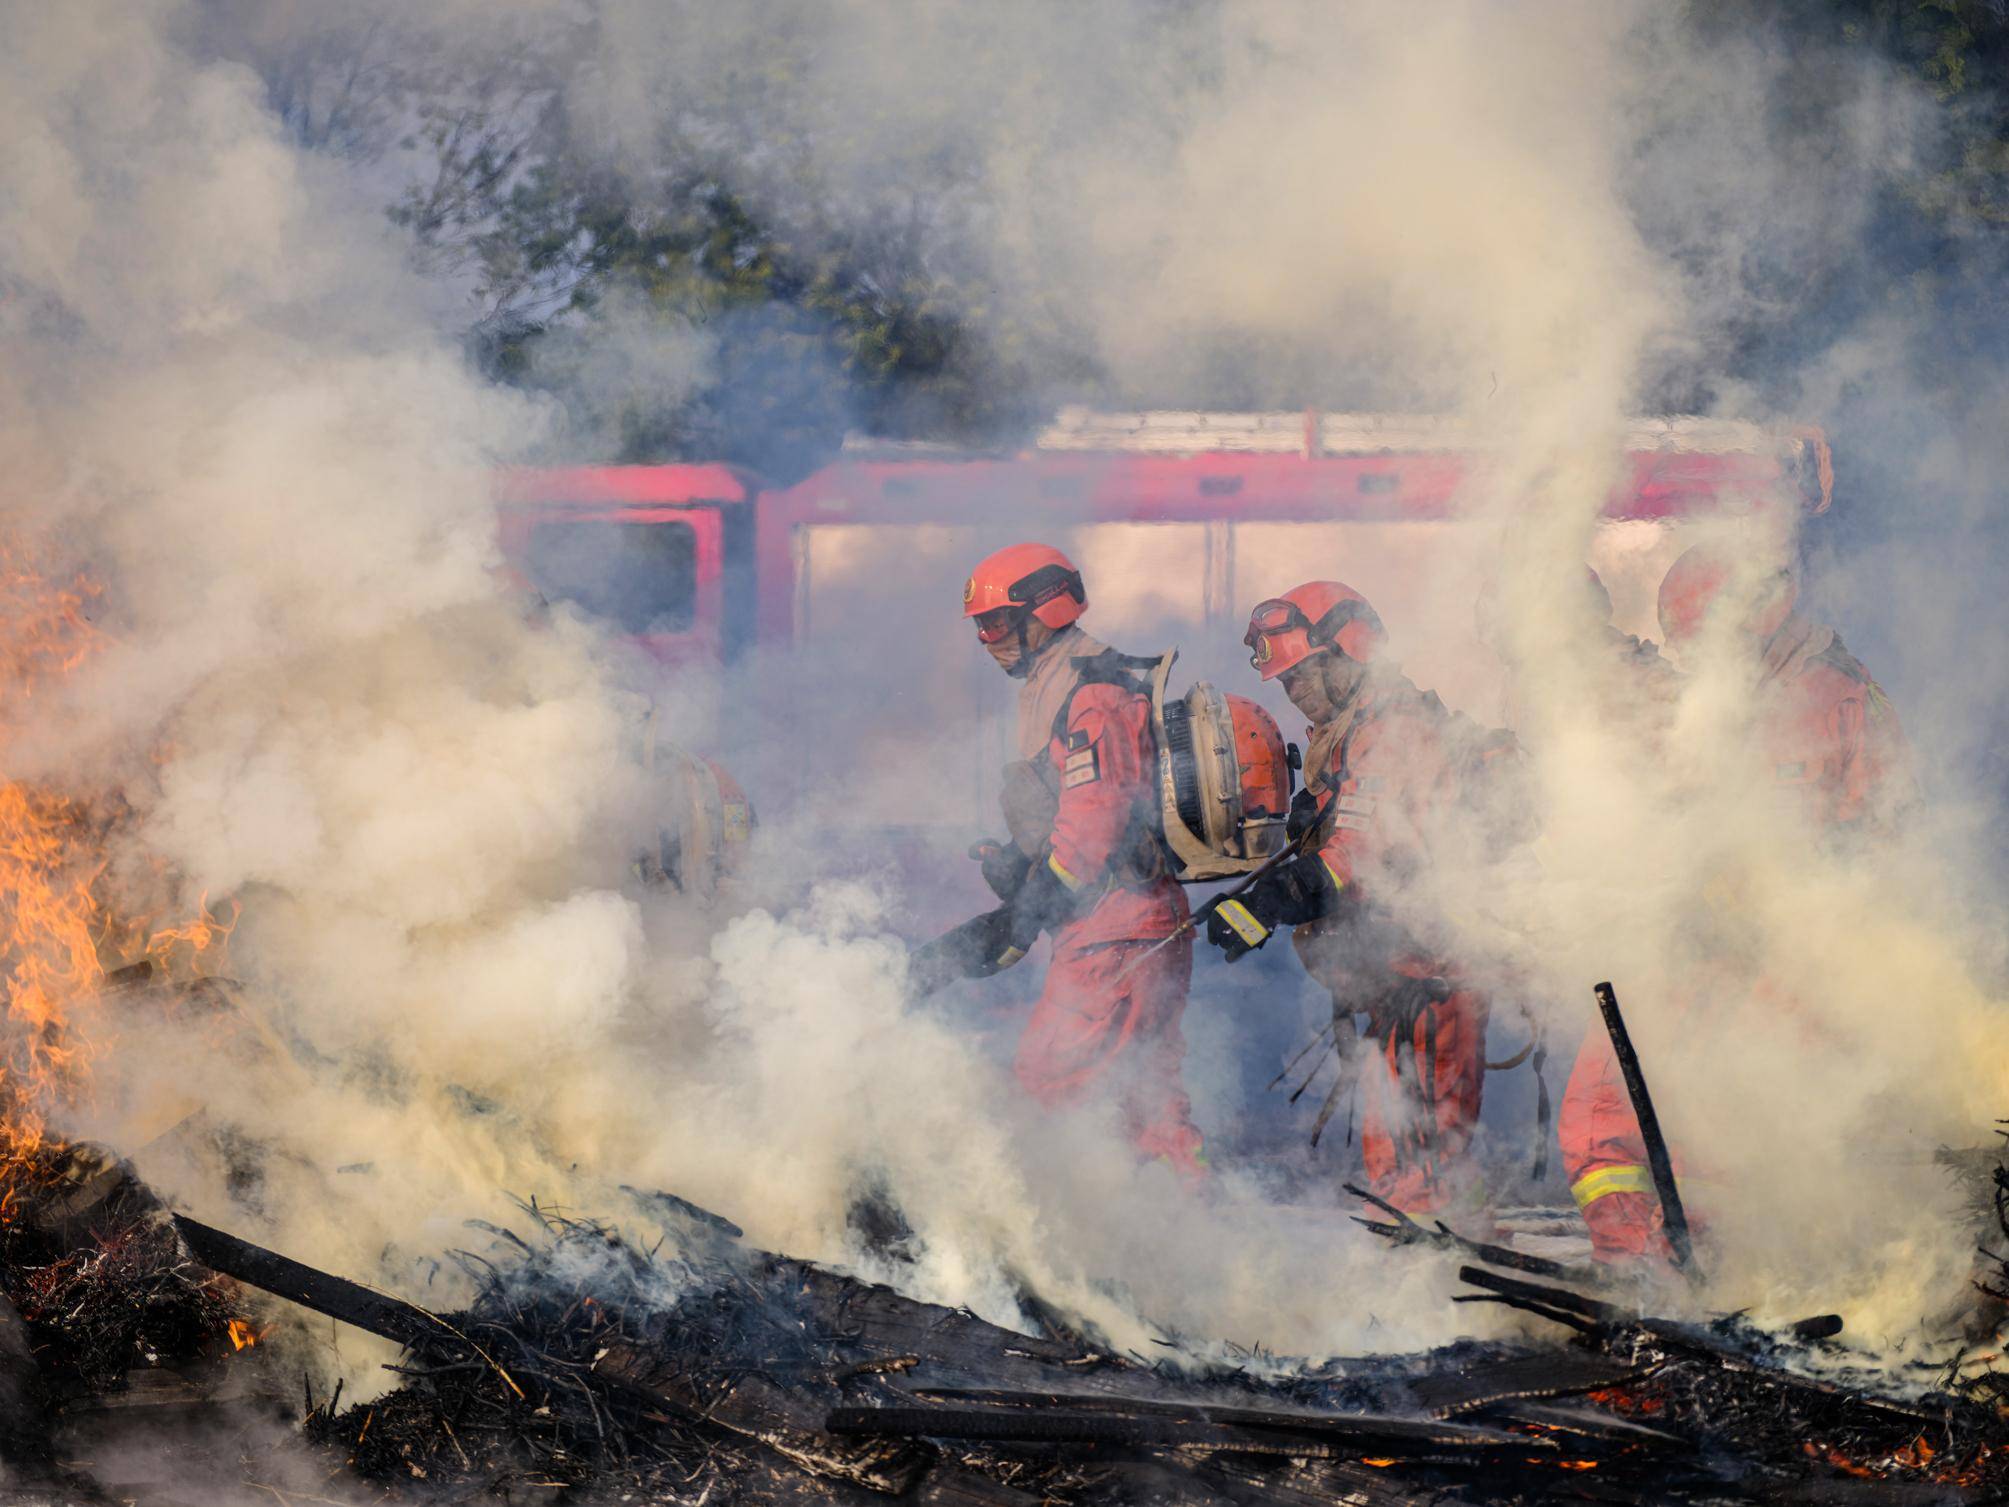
243 1336
45 631
57 930
48 958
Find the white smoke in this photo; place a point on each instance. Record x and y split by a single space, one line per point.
223 391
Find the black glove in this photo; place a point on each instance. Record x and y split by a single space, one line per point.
1004 866
1289 895
1303 815
1043 903
976 949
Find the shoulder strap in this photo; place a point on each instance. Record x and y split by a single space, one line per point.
1127 672
1836 657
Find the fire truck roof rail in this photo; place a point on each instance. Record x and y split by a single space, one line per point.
1313 433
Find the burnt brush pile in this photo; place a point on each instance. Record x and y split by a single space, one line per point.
588 1368
719 1373
112 1334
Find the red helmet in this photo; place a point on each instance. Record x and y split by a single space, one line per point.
1031 577
1697 581
1308 620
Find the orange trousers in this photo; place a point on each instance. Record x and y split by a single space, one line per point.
1099 1029
1604 1157
1422 1104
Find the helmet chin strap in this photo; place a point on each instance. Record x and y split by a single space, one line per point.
1343 695
1028 656
1022 667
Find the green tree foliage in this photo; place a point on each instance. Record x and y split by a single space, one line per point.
1929 256
778 331
684 275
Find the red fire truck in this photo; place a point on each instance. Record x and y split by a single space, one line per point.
1180 522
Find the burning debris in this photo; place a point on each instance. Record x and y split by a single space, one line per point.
699 1369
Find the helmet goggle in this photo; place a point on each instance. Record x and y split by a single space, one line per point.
1028 594
1276 617
996 625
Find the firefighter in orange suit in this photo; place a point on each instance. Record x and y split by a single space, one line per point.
1385 762
1085 861
1828 735
1828 740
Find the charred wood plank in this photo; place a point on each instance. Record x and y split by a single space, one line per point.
1564 1373
1594 1309
1311 1434
883 1322
1585 1422
1402 1230
1674 1219
334 1297
656 1199
1529 1305
1370 1429
949 1346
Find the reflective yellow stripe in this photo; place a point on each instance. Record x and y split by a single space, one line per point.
1592 1186
1061 874
1199 1158
1010 956
1246 926
1337 882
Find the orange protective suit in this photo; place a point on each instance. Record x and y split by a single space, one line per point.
1379 772
1106 1022
1834 749
1831 736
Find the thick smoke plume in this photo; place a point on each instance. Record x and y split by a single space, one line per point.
228 393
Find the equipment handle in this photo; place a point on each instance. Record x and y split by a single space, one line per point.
1198 917
1673 1217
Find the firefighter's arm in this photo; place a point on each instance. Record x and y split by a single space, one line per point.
976 949
1292 894
1845 726
1043 903
1101 762
1004 867
1352 841
1307 888
1877 782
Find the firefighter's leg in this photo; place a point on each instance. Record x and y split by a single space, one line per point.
1104 1026
1604 1158
1156 1109
1074 1031
1420 1118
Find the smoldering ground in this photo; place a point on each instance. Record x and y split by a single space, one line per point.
229 395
